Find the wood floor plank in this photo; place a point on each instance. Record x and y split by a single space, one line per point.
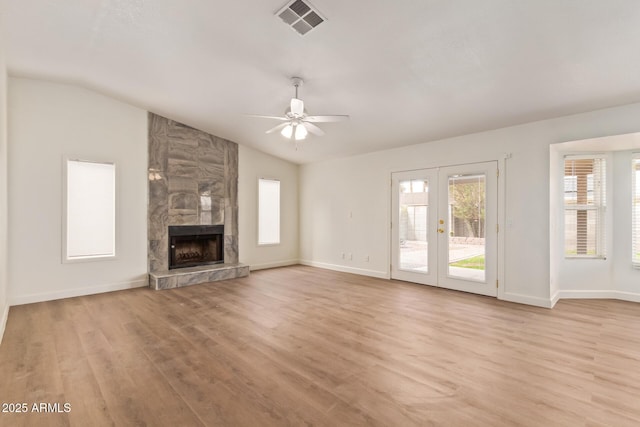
305 346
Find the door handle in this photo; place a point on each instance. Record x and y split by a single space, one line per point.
440 230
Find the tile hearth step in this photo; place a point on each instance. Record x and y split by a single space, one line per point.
180 277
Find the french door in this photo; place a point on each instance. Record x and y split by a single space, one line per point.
444 227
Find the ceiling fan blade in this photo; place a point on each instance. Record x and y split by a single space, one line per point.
267 117
326 119
297 107
277 128
313 128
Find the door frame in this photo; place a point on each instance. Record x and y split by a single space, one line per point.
446 279
502 221
431 276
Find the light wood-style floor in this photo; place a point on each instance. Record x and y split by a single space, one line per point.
305 346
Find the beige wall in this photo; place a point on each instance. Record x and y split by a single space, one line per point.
48 121
252 165
4 306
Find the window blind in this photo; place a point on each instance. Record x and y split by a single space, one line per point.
268 211
635 207
584 206
90 210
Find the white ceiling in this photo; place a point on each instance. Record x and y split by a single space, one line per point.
407 71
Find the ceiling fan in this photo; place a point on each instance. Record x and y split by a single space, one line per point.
297 124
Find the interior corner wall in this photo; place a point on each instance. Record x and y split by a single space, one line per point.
626 279
351 197
253 165
48 121
4 306
574 276
613 276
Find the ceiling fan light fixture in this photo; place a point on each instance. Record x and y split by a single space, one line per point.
301 132
297 107
287 131
296 124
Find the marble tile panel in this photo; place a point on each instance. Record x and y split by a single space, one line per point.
182 219
158 148
211 188
198 275
211 155
157 224
204 218
182 168
182 150
230 249
183 203
179 133
193 279
181 184
231 173
231 157
158 218
217 210
158 125
159 254
231 220
163 282
210 171
158 186
231 190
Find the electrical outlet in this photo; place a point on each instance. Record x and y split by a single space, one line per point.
343 256
366 258
350 257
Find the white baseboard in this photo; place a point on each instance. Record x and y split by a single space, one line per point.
78 292
528 300
3 320
345 269
254 267
620 295
555 298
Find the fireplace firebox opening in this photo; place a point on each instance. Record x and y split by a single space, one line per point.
193 245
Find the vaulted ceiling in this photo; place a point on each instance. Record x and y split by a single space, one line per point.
406 71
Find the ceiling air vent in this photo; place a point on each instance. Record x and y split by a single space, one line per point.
300 16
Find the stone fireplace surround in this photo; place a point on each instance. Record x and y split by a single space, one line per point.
193 180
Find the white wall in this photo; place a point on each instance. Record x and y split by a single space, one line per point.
4 306
252 165
626 279
331 190
48 121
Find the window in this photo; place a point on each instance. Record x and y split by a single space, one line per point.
584 206
268 211
635 204
90 210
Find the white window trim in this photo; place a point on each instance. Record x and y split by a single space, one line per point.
74 260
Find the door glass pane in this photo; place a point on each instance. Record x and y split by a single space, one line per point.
466 254
413 233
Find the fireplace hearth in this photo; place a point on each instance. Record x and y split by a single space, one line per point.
195 245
